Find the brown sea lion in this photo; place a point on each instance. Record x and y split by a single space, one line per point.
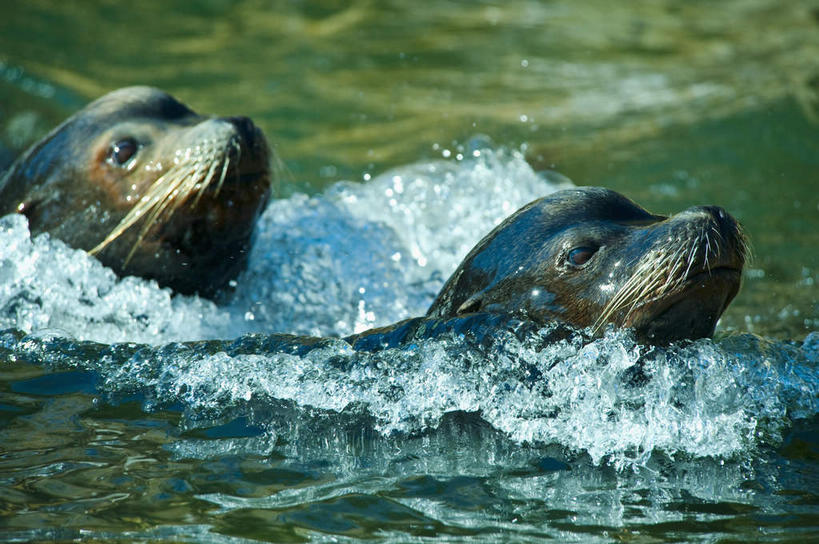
589 257
149 187
579 258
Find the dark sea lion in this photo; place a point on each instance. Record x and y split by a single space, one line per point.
149 187
589 256
578 259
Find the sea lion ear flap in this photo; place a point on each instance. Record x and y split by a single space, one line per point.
472 304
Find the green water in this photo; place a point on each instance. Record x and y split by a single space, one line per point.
672 103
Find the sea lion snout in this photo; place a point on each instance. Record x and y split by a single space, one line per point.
246 129
689 272
257 155
717 239
715 214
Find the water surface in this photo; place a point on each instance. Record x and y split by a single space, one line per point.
443 120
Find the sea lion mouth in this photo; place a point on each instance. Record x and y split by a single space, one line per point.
220 217
691 310
252 177
205 240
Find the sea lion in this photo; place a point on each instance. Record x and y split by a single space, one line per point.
150 187
588 257
580 258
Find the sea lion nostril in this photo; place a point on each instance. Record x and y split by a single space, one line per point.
245 127
709 211
716 216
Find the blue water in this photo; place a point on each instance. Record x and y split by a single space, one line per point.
481 428
130 414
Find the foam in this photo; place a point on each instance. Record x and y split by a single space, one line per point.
357 256
363 255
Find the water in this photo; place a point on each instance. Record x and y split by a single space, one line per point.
128 414
480 429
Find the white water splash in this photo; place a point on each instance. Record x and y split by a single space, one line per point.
355 257
616 400
47 286
366 255
371 254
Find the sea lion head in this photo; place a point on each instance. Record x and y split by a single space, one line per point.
589 257
149 186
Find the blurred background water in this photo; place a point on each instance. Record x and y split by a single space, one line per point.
672 103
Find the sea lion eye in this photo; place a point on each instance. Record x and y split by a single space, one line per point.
122 151
581 255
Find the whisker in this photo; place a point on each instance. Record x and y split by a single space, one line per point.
193 174
222 176
707 252
654 276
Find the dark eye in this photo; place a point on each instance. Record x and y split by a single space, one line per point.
122 151
581 255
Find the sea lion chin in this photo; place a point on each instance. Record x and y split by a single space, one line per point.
589 257
150 187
